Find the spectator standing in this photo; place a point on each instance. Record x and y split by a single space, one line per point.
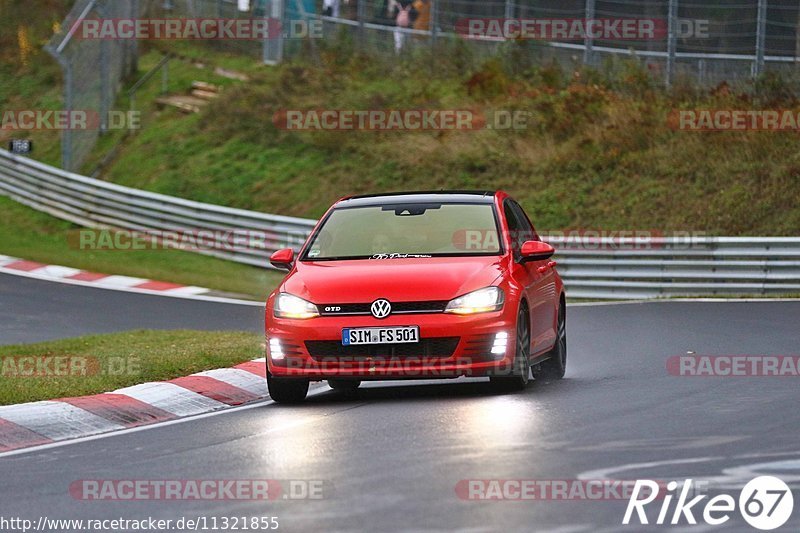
423 9
332 8
404 16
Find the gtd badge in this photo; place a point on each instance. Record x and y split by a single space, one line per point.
381 308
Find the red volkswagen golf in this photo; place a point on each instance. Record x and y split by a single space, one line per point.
416 286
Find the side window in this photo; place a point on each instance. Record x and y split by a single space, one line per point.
527 232
514 227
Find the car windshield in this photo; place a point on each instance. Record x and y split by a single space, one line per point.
395 231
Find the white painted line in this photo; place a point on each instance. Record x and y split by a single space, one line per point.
172 398
120 281
259 360
148 292
57 272
57 420
188 291
239 378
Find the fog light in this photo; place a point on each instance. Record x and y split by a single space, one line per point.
275 349
500 343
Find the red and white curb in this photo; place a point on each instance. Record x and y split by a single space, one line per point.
47 422
32 269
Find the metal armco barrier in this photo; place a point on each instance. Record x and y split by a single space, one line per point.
601 269
98 204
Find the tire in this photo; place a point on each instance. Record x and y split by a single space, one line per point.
345 385
520 375
556 366
287 390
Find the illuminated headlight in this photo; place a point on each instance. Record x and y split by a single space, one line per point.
500 343
480 301
290 306
275 349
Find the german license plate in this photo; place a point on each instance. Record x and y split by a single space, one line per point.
395 335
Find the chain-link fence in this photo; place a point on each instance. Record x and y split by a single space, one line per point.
707 40
267 49
93 72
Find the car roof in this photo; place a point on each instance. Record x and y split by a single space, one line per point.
461 197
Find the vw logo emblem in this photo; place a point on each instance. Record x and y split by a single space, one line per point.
381 308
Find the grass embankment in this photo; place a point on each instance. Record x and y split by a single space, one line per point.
103 363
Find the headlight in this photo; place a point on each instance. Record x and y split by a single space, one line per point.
290 306
480 301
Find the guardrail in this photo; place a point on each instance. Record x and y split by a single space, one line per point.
604 268
98 204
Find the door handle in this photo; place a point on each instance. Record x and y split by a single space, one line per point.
542 269
552 264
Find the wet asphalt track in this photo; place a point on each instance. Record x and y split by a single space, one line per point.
392 455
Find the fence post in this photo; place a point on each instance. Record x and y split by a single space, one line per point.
134 43
761 34
588 42
509 12
66 134
672 41
105 84
279 14
701 72
434 25
361 15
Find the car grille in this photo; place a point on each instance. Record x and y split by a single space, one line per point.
432 306
431 347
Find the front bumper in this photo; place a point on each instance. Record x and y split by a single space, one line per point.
450 346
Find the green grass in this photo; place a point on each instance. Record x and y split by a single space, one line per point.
103 363
39 237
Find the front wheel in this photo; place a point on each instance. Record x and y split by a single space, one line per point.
287 390
520 375
556 366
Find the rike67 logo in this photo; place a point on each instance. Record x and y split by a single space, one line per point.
766 503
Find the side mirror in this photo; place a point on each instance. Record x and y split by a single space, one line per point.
536 251
282 259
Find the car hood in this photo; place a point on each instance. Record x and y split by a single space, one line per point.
399 280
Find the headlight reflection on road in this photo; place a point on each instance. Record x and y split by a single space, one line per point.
501 421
